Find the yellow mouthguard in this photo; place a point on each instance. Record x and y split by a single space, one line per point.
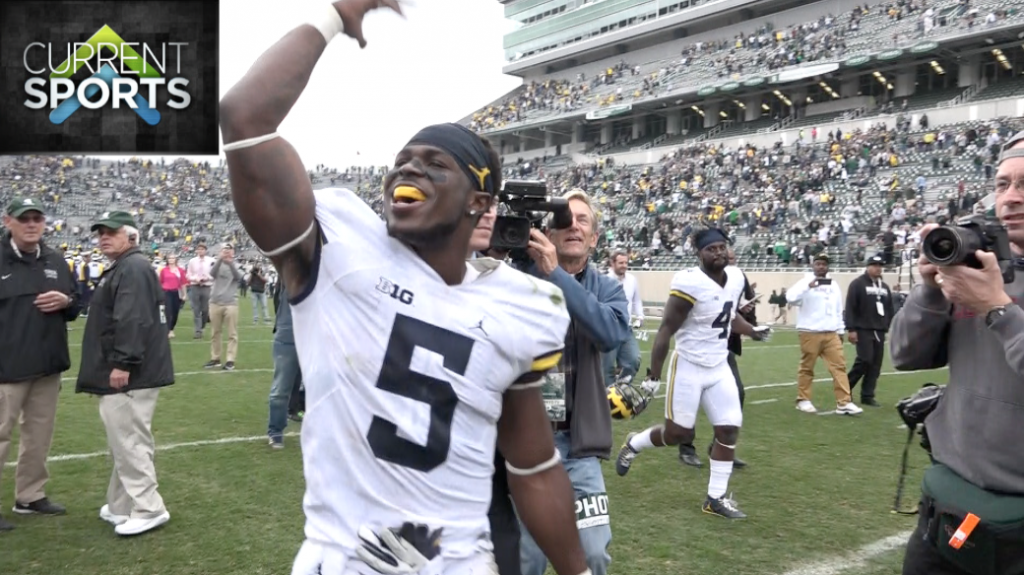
409 193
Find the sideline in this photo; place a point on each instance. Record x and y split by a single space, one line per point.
205 372
857 559
819 380
168 447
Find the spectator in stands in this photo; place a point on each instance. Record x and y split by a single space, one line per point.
627 356
38 300
286 372
200 281
257 283
126 359
600 324
820 326
173 280
224 309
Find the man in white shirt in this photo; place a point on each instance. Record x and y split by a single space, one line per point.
820 326
627 355
200 280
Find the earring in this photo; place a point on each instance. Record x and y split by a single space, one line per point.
472 212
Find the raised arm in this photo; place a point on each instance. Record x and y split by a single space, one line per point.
269 184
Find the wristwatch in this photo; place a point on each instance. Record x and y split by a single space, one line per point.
994 314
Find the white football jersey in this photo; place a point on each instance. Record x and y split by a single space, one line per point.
704 337
404 379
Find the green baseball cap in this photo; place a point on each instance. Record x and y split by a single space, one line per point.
22 205
114 221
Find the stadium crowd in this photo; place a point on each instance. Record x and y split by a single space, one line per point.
765 48
852 195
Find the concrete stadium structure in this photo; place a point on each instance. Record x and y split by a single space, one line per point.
961 66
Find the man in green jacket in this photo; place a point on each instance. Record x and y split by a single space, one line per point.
126 359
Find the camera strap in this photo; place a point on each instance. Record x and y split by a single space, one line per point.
898 501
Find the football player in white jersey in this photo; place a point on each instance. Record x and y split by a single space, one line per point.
416 362
700 313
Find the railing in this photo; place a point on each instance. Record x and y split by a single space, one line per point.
650 144
709 134
966 95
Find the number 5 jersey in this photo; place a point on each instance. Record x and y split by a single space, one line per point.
404 379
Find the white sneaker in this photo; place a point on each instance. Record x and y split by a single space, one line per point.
848 409
806 406
140 526
110 518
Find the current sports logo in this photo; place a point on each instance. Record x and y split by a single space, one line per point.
124 74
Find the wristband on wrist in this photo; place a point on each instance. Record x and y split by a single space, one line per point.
328 23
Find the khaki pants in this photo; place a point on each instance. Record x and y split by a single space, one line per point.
827 345
34 403
224 317
128 418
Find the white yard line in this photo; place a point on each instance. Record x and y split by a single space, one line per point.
762 401
194 342
792 383
205 372
168 447
823 379
857 559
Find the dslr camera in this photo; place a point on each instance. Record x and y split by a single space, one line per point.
951 245
525 205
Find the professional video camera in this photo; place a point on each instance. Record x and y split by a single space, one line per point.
952 245
526 204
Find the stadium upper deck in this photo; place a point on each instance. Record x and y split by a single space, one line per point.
691 72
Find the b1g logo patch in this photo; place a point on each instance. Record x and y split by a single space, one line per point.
592 510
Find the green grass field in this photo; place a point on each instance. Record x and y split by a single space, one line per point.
818 488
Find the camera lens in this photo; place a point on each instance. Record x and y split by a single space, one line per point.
944 248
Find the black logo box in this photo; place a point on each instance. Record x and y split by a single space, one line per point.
192 131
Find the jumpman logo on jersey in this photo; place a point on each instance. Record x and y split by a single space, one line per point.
480 326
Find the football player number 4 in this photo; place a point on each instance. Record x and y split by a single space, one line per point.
396 376
724 320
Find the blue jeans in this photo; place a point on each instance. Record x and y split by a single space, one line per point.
585 475
259 304
286 372
627 356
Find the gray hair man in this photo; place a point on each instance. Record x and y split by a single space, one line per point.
969 319
37 299
126 359
600 323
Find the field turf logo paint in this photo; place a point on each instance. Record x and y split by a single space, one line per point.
121 76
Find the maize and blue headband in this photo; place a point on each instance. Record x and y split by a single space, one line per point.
465 147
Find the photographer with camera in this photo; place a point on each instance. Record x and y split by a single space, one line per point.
963 314
599 324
